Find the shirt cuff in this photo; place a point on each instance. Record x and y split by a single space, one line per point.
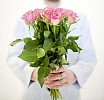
76 85
31 81
27 75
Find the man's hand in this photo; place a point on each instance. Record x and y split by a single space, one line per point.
60 78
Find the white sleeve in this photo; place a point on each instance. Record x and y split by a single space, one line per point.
86 58
19 67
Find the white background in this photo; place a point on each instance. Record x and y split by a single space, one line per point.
10 87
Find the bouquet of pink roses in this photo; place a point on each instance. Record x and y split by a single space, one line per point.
50 42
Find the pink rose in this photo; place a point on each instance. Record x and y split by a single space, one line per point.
46 13
72 17
58 9
36 13
28 17
62 12
56 16
69 13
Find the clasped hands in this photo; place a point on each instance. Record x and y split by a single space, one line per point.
57 78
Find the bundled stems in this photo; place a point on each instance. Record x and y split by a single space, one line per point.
55 94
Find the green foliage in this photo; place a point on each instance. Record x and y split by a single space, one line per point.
29 56
63 61
61 50
48 44
41 75
15 42
27 39
72 44
37 34
47 71
46 61
46 33
31 45
73 38
40 52
36 63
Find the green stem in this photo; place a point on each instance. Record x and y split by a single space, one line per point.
55 94
54 30
59 94
47 26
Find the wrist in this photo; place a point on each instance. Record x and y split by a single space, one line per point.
34 75
73 76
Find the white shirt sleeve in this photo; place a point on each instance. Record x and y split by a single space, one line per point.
19 67
86 58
